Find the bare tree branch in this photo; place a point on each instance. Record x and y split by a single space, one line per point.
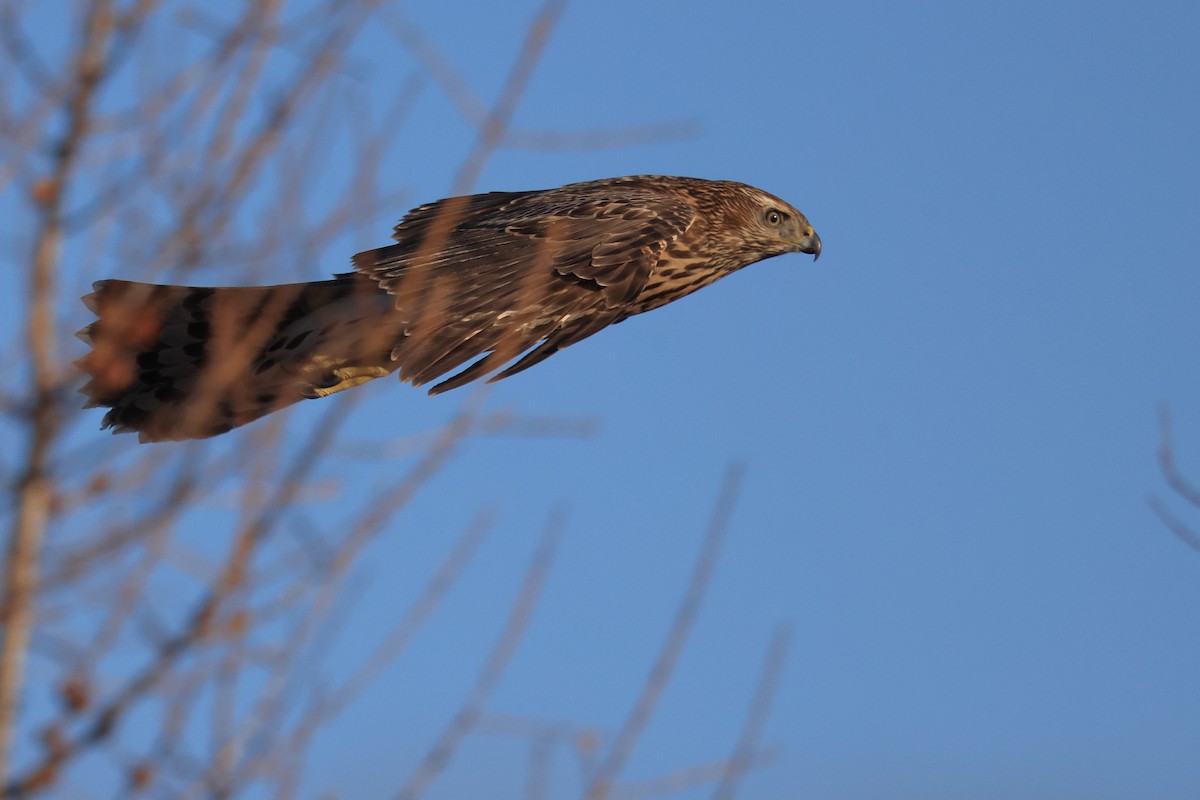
1180 485
474 111
495 124
664 666
468 715
690 777
744 753
35 491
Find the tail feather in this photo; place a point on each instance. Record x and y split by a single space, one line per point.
182 362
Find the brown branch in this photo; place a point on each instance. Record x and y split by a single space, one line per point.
451 81
744 752
331 704
688 777
495 124
35 492
543 736
1166 459
1179 484
541 758
514 630
260 737
21 52
403 632
471 108
664 666
1174 524
200 622
208 211
129 593
110 543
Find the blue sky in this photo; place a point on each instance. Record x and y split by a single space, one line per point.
948 424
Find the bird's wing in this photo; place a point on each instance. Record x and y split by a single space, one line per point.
500 273
608 235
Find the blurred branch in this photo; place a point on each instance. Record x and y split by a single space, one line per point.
210 206
35 491
452 82
200 623
111 542
690 777
746 750
469 713
543 736
1188 491
472 109
664 666
21 52
392 646
493 126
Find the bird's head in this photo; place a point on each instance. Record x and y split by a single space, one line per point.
768 226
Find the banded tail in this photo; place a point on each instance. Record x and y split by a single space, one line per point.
182 362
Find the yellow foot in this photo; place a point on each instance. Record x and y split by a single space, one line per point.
347 377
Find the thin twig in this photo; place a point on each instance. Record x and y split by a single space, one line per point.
1174 524
402 633
680 780
756 717
494 126
1166 459
1180 485
506 646
332 703
664 665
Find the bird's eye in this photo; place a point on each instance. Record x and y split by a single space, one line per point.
773 217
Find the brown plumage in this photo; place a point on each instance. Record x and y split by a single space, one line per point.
486 277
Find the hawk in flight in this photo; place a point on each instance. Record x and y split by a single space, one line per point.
487 279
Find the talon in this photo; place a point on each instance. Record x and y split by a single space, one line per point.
344 378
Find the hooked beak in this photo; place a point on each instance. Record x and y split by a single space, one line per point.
810 243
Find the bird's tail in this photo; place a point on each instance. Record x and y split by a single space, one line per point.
183 362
